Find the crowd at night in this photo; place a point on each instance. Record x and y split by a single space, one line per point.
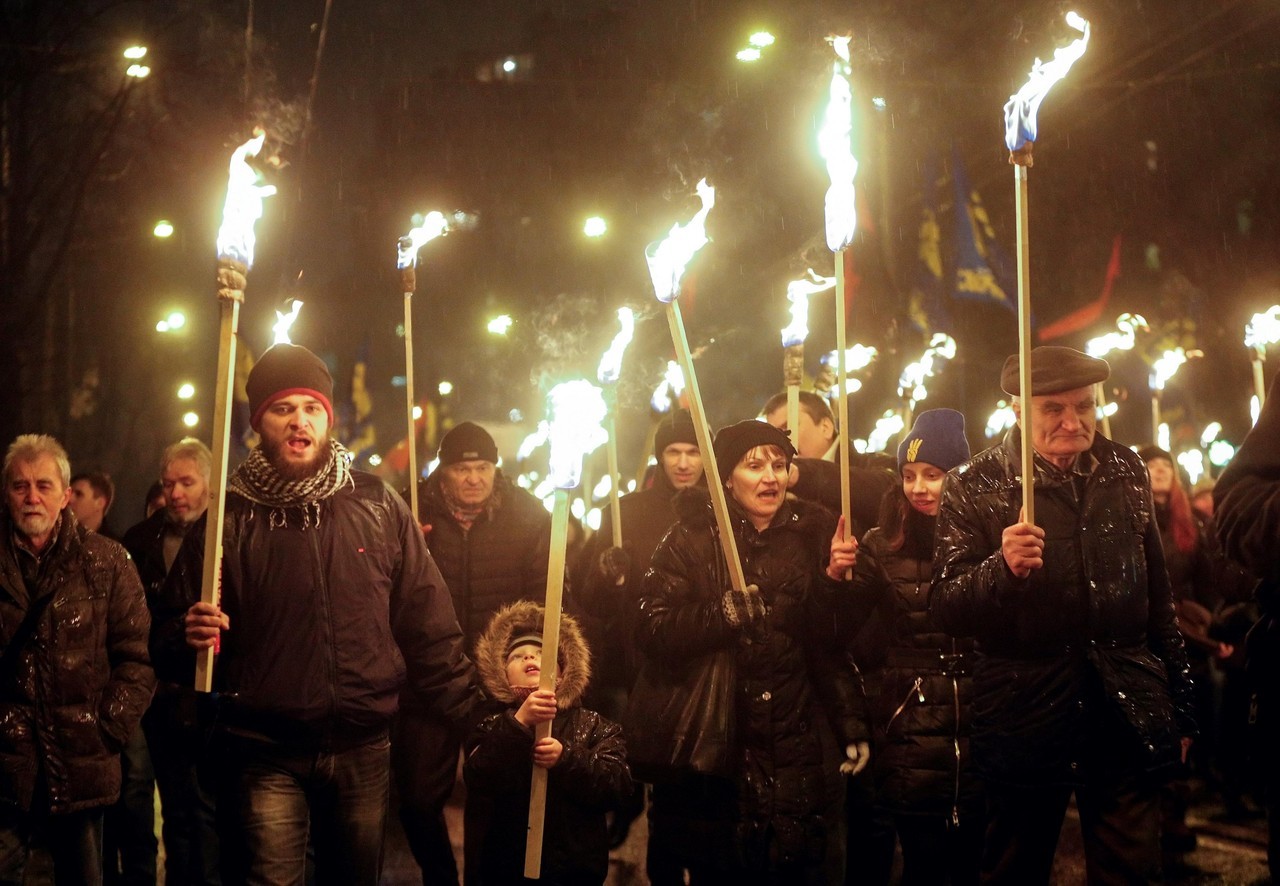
866 407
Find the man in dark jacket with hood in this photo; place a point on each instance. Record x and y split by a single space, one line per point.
331 605
74 672
491 540
1080 682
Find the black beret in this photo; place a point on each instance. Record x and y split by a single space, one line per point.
285 370
734 441
467 442
1055 369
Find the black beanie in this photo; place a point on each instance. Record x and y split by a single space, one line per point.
937 437
467 442
734 441
677 427
285 370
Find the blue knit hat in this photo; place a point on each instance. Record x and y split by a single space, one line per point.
937 438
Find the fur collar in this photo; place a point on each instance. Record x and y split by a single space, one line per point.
519 618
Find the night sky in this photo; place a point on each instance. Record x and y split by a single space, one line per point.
1165 134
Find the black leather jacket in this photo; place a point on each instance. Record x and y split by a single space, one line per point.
1080 667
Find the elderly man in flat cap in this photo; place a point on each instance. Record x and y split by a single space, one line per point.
1080 682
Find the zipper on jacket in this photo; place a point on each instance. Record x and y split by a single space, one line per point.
955 741
915 688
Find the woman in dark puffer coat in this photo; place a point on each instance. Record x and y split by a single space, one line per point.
763 814
921 729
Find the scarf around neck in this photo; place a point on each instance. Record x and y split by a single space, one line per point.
257 480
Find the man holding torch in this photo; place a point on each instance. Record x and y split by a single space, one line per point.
1080 683
330 605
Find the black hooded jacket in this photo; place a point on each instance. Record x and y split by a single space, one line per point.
1080 668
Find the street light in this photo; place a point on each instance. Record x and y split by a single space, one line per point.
163 229
501 324
445 388
186 391
595 226
190 419
135 54
175 321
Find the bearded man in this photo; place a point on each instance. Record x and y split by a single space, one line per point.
331 605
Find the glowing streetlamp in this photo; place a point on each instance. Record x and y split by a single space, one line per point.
186 391
500 325
595 226
190 419
163 229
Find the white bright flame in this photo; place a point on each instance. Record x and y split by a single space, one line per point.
284 322
855 357
434 224
798 292
1107 411
668 258
1020 110
243 205
577 410
887 427
1255 409
1193 461
1210 433
911 385
761 39
1162 436
611 363
1001 420
1164 368
500 325
602 488
834 146
671 386
1220 453
1128 325
533 441
1263 330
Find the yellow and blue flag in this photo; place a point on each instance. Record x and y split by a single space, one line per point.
982 270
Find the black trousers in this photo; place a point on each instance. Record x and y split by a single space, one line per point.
424 759
1120 822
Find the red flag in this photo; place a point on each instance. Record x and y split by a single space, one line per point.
1086 315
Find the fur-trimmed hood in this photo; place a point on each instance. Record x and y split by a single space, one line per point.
524 617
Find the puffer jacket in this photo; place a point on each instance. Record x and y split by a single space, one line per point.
500 559
590 778
1083 654
75 694
789 673
326 620
921 743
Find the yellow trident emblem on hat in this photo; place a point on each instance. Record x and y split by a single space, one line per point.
914 447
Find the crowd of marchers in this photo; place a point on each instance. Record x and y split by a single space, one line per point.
914 690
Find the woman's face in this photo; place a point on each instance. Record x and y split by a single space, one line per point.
1161 471
922 485
759 483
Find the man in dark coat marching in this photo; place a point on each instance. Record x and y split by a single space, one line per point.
1081 681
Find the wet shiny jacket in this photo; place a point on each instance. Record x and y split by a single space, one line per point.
76 693
789 672
1084 653
590 779
328 622
922 722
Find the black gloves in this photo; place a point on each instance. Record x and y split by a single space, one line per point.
615 565
743 608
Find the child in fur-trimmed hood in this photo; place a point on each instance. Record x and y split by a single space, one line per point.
585 755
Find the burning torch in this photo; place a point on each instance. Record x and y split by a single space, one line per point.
236 241
793 336
842 220
911 383
1020 135
1263 330
1127 326
577 408
1162 370
433 225
607 374
667 261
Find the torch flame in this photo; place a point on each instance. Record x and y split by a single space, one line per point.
1001 420
243 205
1128 324
611 363
1020 110
834 145
672 385
887 427
798 292
285 321
855 357
668 258
1165 366
911 382
434 224
577 410
1263 330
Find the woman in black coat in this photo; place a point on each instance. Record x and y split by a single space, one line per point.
921 726
755 799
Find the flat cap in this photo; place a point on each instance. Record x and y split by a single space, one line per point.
1055 369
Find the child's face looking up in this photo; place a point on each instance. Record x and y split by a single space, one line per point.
524 665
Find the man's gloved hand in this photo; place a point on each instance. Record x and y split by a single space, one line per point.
615 564
857 756
743 608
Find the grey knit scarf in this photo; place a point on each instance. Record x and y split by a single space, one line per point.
257 480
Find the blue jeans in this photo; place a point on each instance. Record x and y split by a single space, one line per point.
74 841
272 797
